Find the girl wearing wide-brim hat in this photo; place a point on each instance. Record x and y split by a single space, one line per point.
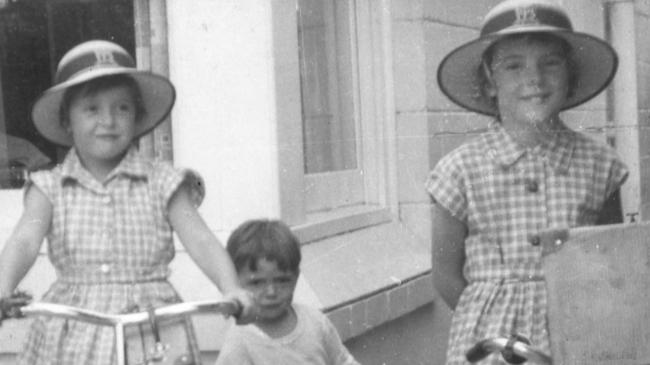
109 214
528 172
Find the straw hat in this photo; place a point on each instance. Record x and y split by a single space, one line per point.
88 61
595 60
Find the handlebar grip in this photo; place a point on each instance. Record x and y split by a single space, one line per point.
478 352
10 306
508 352
239 309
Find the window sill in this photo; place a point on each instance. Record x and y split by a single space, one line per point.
331 223
368 277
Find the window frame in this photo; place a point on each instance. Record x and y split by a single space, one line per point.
300 192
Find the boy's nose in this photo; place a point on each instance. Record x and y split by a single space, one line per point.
270 289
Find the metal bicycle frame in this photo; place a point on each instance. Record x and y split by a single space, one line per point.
119 321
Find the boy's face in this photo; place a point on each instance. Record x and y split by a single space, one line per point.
272 288
103 125
530 80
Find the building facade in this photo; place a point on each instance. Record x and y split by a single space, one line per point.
324 113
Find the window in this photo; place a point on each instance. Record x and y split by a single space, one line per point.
328 70
343 49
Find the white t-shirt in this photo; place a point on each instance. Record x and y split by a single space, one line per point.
314 341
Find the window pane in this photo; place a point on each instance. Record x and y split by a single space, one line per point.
326 33
34 34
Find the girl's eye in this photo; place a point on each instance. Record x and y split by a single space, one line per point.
508 65
553 62
125 107
512 66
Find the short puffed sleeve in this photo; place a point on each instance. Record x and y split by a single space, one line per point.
169 179
447 186
46 181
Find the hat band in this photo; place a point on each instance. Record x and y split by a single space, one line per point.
92 60
527 16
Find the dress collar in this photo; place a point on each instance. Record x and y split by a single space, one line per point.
131 165
558 150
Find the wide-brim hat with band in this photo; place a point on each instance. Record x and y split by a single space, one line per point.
91 60
594 59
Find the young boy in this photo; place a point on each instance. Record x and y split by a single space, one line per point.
267 259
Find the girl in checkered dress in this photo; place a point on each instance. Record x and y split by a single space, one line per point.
107 212
526 173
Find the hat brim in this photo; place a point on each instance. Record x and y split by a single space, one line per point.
158 97
595 63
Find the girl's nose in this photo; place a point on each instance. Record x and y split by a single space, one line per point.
533 74
107 118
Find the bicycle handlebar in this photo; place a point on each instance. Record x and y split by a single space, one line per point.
517 347
17 306
226 308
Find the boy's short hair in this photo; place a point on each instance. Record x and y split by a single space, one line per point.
271 240
97 85
487 58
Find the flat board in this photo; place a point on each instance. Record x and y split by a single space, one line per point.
598 282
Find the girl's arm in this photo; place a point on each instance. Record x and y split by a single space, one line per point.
448 255
612 212
206 250
22 247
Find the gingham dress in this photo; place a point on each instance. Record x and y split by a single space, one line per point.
110 245
505 194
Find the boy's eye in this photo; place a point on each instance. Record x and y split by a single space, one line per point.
284 280
256 282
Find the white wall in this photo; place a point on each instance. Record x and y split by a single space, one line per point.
224 120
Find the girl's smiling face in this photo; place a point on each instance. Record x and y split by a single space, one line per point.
529 78
103 126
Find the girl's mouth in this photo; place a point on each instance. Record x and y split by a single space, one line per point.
536 98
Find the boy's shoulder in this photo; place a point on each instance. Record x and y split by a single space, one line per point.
309 311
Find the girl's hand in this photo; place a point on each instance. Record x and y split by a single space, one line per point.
247 302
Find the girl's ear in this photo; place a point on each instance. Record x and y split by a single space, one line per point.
489 87
66 126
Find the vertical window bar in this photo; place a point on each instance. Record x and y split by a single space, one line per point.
150 18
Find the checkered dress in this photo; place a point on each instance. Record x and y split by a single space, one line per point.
111 245
506 194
